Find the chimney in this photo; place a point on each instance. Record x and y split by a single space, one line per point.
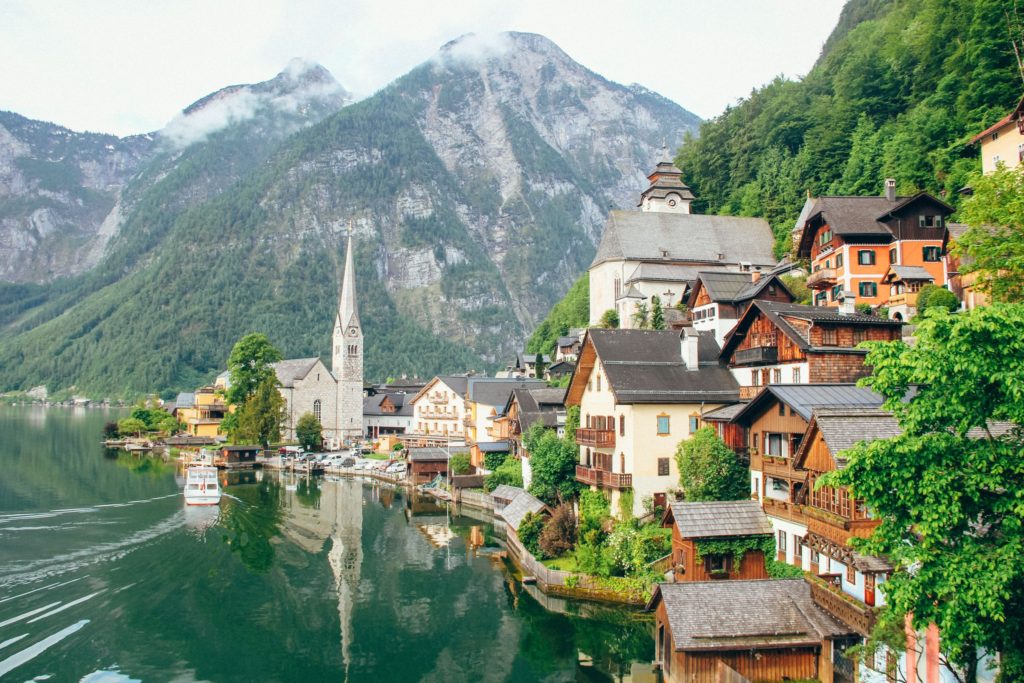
755 276
890 189
847 303
688 342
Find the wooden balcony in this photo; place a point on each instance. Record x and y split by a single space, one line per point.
778 466
603 479
596 438
747 393
846 608
784 510
905 299
822 279
757 355
836 528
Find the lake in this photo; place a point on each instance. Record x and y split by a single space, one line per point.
105 575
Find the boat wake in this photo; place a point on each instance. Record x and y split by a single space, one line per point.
49 514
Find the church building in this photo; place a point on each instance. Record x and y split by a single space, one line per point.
659 249
334 395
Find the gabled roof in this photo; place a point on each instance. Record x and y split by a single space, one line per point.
290 371
687 238
493 391
779 312
723 414
720 518
523 503
843 428
666 272
506 492
372 405
646 366
898 273
729 287
535 404
427 454
492 446
805 398
745 615
457 383
1009 118
568 341
185 399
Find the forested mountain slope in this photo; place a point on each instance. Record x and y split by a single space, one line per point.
476 186
899 90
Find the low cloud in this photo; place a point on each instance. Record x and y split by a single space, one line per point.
474 48
300 84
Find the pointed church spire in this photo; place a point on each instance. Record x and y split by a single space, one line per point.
348 309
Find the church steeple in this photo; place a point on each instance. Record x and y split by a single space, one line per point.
667 191
347 360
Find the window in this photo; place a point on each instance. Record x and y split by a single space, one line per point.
717 564
662 425
932 253
773 445
755 378
825 237
839 260
868 289
851 575
835 292
821 298
694 423
929 221
782 542
828 263
815 557
599 382
777 376
866 257
662 467
782 409
316 409
622 425
892 255
796 375
829 336
859 335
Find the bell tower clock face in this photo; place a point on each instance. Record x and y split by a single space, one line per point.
352 332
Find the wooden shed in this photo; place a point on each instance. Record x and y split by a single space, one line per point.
426 463
764 630
720 523
239 456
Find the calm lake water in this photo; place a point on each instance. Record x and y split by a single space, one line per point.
105 575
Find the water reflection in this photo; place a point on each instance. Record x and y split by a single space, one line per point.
333 580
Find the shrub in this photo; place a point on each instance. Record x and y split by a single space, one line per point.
609 319
460 464
559 535
863 308
398 446
933 296
110 430
510 473
709 469
493 461
593 558
529 533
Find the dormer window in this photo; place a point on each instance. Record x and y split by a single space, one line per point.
929 221
825 237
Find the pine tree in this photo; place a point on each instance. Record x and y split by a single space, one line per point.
657 314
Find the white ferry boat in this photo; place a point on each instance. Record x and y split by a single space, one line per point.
201 486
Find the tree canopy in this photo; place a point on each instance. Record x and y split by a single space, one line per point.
709 469
260 418
993 246
249 365
309 432
948 489
553 464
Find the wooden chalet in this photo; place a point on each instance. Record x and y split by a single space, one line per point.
763 630
239 456
525 407
426 463
719 298
776 343
692 523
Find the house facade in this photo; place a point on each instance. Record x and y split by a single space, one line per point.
201 411
1003 141
485 401
734 520
641 392
718 299
439 409
387 414
852 241
524 408
776 343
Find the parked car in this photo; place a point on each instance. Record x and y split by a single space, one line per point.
347 462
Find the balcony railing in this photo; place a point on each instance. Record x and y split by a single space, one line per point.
904 299
757 354
439 399
784 509
601 478
846 608
822 279
596 438
467 420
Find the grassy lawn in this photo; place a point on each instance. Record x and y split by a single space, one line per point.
566 563
377 456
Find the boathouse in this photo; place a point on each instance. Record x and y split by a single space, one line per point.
700 532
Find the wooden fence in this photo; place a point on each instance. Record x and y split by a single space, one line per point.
477 499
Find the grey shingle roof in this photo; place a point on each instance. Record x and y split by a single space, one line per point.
843 428
185 399
906 273
721 518
538 404
725 413
805 398
492 446
427 454
288 371
523 503
506 492
667 272
719 615
495 392
854 215
372 404
696 238
646 366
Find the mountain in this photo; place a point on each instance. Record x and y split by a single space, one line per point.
476 186
898 91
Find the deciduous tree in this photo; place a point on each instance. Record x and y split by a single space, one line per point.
709 469
261 416
309 432
249 364
993 246
553 464
948 489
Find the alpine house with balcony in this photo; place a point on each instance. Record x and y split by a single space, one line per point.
641 392
718 299
779 343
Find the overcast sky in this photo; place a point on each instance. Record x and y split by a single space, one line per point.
128 66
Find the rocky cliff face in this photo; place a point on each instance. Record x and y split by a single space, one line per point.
476 186
64 195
